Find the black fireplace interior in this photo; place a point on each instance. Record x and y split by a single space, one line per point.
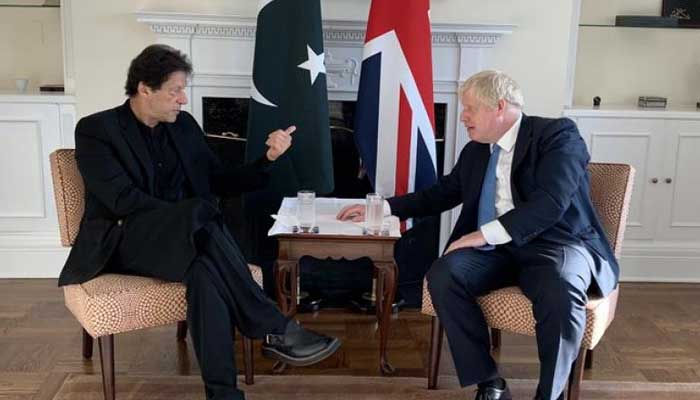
225 123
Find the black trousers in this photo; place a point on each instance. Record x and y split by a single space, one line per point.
221 296
555 277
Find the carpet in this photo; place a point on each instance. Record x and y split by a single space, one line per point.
307 387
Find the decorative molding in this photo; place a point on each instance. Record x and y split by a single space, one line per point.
173 29
334 35
616 112
347 69
238 32
333 30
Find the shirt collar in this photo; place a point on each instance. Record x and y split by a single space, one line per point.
507 141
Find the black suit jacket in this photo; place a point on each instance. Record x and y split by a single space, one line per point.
551 193
119 180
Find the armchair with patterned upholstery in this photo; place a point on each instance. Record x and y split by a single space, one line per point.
508 309
114 303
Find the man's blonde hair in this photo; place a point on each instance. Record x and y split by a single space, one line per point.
491 86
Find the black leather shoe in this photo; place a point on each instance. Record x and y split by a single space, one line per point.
492 392
298 346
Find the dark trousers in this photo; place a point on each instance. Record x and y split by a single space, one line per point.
221 296
555 277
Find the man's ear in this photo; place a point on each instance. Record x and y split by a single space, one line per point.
143 89
502 104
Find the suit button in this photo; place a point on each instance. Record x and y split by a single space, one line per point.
120 222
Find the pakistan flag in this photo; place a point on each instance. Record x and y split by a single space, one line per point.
289 88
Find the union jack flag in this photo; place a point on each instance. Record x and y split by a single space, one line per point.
394 123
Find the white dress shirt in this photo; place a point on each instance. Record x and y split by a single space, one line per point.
493 231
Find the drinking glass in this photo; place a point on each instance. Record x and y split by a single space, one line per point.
374 213
306 210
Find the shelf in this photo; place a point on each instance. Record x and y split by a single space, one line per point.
636 27
30 6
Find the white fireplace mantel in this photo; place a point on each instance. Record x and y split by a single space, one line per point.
221 48
164 23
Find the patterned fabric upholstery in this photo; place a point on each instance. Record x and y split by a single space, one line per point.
508 309
69 192
112 303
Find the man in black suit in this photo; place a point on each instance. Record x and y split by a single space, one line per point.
526 220
150 210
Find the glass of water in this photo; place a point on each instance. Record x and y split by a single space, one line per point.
374 213
306 210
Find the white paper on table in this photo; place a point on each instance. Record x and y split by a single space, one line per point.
326 210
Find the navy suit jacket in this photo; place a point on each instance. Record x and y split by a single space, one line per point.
550 184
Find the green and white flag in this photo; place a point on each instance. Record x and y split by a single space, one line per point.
289 88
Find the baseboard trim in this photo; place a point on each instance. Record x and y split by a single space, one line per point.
660 262
660 269
27 255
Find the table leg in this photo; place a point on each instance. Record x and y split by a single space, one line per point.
286 273
386 292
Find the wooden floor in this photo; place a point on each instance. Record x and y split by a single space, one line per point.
655 337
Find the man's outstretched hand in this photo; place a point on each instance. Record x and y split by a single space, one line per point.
354 212
278 142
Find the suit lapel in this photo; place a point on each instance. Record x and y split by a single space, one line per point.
522 144
132 135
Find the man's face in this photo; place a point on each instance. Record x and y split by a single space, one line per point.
480 120
164 104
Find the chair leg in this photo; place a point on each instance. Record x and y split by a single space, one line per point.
106 344
248 360
576 375
181 330
435 352
87 345
495 338
589 359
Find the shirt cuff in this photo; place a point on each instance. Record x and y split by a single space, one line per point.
387 208
495 233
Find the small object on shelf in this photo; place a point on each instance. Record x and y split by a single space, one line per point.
687 12
51 88
652 102
22 84
646 21
596 101
697 105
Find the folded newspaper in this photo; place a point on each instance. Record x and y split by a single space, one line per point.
326 211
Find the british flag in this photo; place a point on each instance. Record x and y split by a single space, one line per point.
394 125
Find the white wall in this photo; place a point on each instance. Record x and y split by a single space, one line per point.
535 54
30 46
620 64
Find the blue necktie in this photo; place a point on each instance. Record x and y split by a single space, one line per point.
487 199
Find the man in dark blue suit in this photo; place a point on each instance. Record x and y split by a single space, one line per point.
526 220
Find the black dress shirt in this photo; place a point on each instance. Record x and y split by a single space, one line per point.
169 177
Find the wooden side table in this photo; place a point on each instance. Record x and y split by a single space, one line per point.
380 249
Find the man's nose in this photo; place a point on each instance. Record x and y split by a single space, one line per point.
183 99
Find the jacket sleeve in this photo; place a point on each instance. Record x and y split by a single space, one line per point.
442 196
559 169
228 181
104 174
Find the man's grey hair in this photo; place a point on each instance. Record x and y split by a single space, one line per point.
491 86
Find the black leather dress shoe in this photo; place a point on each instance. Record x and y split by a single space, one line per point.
298 346
492 392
